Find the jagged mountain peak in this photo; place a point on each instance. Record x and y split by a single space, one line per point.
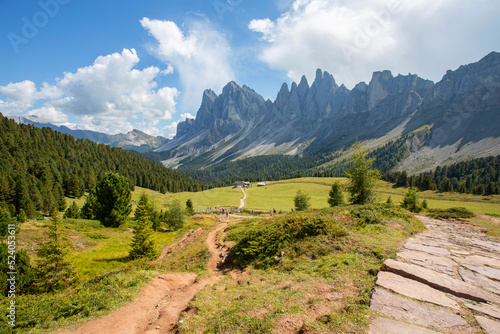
324 117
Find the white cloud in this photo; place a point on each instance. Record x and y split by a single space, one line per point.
51 115
171 130
186 116
201 56
351 39
111 87
108 96
27 93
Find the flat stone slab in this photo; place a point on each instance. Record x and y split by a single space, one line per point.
488 309
387 326
479 280
414 289
440 264
478 260
413 312
489 272
489 326
440 281
427 249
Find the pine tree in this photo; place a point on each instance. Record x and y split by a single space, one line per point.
389 200
142 243
189 207
146 208
58 193
89 207
174 216
336 195
54 272
446 185
22 267
301 201
72 212
113 196
410 201
362 177
5 219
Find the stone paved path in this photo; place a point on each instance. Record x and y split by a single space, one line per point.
445 280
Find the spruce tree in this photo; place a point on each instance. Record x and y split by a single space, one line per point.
410 201
189 207
301 201
72 211
112 200
143 245
146 207
174 215
54 272
336 195
362 177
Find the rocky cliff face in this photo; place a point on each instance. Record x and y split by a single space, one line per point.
323 116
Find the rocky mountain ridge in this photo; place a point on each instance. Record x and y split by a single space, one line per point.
463 111
134 140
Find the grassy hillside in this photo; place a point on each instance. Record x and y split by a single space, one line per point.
316 273
310 272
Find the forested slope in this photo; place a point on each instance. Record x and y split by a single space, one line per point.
39 166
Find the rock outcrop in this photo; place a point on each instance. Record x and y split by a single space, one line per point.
464 107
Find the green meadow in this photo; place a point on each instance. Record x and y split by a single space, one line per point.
279 196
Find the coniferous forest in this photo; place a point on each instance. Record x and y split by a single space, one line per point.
39 167
479 176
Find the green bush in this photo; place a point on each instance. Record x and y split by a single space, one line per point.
410 201
260 243
366 216
450 213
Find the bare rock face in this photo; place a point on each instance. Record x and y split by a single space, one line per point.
324 116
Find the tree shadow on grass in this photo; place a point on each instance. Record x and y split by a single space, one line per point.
123 259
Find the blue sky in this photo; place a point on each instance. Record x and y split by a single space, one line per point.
112 66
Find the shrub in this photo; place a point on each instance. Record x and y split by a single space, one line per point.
450 213
366 216
410 201
260 243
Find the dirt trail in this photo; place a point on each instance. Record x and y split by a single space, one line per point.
191 235
242 200
160 303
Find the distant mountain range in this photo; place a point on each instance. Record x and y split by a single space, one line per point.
135 140
456 119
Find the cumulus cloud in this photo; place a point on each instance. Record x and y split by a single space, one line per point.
107 96
26 92
51 115
201 56
111 87
351 39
